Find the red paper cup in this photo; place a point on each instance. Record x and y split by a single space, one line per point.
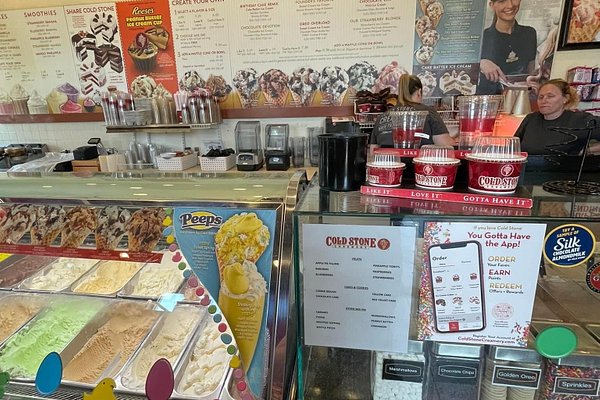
494 176
437 175
385 175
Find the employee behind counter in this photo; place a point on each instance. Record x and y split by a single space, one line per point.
539 131
410 94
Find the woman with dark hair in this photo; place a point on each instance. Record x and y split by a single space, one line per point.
507 48
410 95
537 131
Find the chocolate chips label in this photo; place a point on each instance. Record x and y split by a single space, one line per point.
577 386
517 377
405 371
464 372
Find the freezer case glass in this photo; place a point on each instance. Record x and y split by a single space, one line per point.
147 284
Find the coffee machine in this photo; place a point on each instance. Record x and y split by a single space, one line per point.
248 146
277 151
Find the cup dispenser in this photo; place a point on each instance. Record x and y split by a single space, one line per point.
248 146
277 149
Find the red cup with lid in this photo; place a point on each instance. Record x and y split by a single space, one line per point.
495 165
436 167
385 170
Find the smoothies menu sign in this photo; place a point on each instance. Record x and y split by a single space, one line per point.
231 252
478 282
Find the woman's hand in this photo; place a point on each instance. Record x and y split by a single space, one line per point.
491 71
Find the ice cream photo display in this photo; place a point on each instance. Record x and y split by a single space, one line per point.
103 228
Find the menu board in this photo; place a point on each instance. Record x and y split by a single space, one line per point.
358 282
147 40
447 46
478 283
16 55
96 49
201 40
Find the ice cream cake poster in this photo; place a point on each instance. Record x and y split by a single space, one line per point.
146 36
478 282
231 252
96 49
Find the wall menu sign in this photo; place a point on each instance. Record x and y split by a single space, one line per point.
358 282
146 35
96 48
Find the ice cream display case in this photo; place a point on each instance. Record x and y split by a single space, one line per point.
147 285
418 299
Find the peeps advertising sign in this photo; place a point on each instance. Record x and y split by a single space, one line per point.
231 252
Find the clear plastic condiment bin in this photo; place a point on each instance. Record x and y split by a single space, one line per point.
397 375
454 372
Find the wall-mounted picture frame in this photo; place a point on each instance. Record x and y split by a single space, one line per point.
580 27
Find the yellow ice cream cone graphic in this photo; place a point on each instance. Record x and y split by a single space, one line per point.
242 301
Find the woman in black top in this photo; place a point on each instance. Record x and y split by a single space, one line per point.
507 48
537 135
410 94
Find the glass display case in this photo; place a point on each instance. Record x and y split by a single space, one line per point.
392 304
156 284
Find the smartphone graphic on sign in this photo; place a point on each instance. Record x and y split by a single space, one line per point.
457 286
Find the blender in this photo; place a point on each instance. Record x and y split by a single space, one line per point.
277 151
248 147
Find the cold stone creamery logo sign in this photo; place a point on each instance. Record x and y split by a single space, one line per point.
357 242
200 220
575 386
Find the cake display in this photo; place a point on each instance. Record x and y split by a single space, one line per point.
143 53
458 81
82 42
91 76
104 25
429 82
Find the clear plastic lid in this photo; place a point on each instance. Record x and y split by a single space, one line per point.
386 160
431 153
497 148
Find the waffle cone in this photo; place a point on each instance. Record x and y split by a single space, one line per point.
583 34
47 240
278 101
102 243
423 4
250 102
142 246
329 100
73 241
4 236
298 102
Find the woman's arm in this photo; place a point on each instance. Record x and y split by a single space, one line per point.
490 70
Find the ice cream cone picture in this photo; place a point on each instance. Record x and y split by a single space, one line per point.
48 224
303 85
273 85
242 301
79 223
144 229
246 85
242 237
18 221
111 227
333 84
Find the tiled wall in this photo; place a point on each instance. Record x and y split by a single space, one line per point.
67 136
